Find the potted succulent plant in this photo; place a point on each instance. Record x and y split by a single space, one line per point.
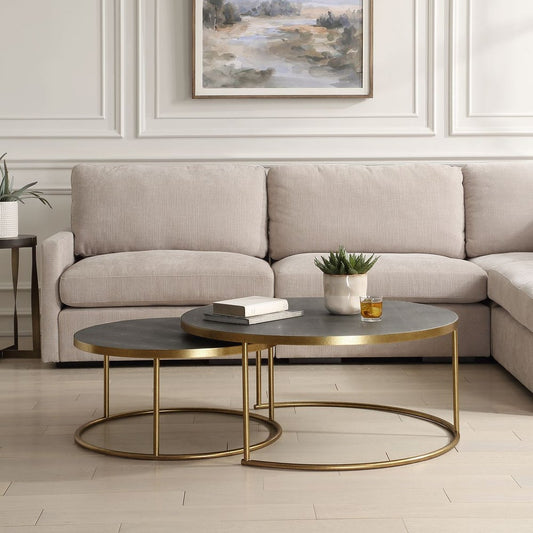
9 200
345 280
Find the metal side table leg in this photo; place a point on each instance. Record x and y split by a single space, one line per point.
106 386
258 385
271 382
455 370
245 405
15 277
35 318
156 406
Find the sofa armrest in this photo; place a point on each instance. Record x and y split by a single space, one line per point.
57 253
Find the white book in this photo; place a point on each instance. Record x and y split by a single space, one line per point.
250 306
248 321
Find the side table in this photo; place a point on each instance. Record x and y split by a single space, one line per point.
15 243
403 321
157 339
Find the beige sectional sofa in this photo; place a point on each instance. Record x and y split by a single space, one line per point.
152 240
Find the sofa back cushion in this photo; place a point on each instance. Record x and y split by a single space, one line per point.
498 208
119 208
416 208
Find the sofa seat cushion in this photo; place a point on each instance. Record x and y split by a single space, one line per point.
163 277
415 277
495 261
510 284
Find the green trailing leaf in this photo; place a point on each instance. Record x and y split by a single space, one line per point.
37 194
8 194
4 185
342 263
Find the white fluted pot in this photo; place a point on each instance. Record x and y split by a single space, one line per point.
342 292
9 219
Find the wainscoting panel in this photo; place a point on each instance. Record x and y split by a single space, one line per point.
492 81
404 70
63 61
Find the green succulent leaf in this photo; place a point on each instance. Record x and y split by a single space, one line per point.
8 194
342 263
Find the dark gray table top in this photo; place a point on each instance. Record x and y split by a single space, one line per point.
149 338
20 241
402 321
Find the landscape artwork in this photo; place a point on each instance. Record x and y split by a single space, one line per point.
282 48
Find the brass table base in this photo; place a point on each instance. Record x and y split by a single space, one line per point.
367 465
155 412
274 427
451 428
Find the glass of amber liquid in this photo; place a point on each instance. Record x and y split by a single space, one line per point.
371 308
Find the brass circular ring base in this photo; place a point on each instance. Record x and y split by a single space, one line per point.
275 433
454 434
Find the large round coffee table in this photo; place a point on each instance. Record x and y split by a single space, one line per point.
157 339
402 321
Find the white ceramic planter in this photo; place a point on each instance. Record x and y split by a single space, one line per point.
341 293
9 219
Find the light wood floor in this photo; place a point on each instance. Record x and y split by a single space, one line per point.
48 484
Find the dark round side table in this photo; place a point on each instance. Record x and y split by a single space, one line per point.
15 243
157 339
402 321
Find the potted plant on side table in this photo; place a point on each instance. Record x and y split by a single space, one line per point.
9 200
345 280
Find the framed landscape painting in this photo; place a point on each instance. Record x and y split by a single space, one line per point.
282 48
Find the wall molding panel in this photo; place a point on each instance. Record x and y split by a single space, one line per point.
54 177
106 121
471 39
177 116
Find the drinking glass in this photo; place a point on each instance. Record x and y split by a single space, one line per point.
371 308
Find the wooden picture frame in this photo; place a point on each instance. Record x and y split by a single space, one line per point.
282 48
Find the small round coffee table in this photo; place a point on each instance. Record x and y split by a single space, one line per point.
402 321
157 339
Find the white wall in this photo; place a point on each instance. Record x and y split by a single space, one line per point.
109 80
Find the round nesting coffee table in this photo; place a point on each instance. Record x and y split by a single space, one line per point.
156 339
402 321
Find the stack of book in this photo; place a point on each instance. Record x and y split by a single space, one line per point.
251 310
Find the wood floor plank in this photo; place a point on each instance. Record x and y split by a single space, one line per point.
49 484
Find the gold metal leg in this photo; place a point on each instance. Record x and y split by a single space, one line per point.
258 386
245 405
455 370
271 382
156 406
106 386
